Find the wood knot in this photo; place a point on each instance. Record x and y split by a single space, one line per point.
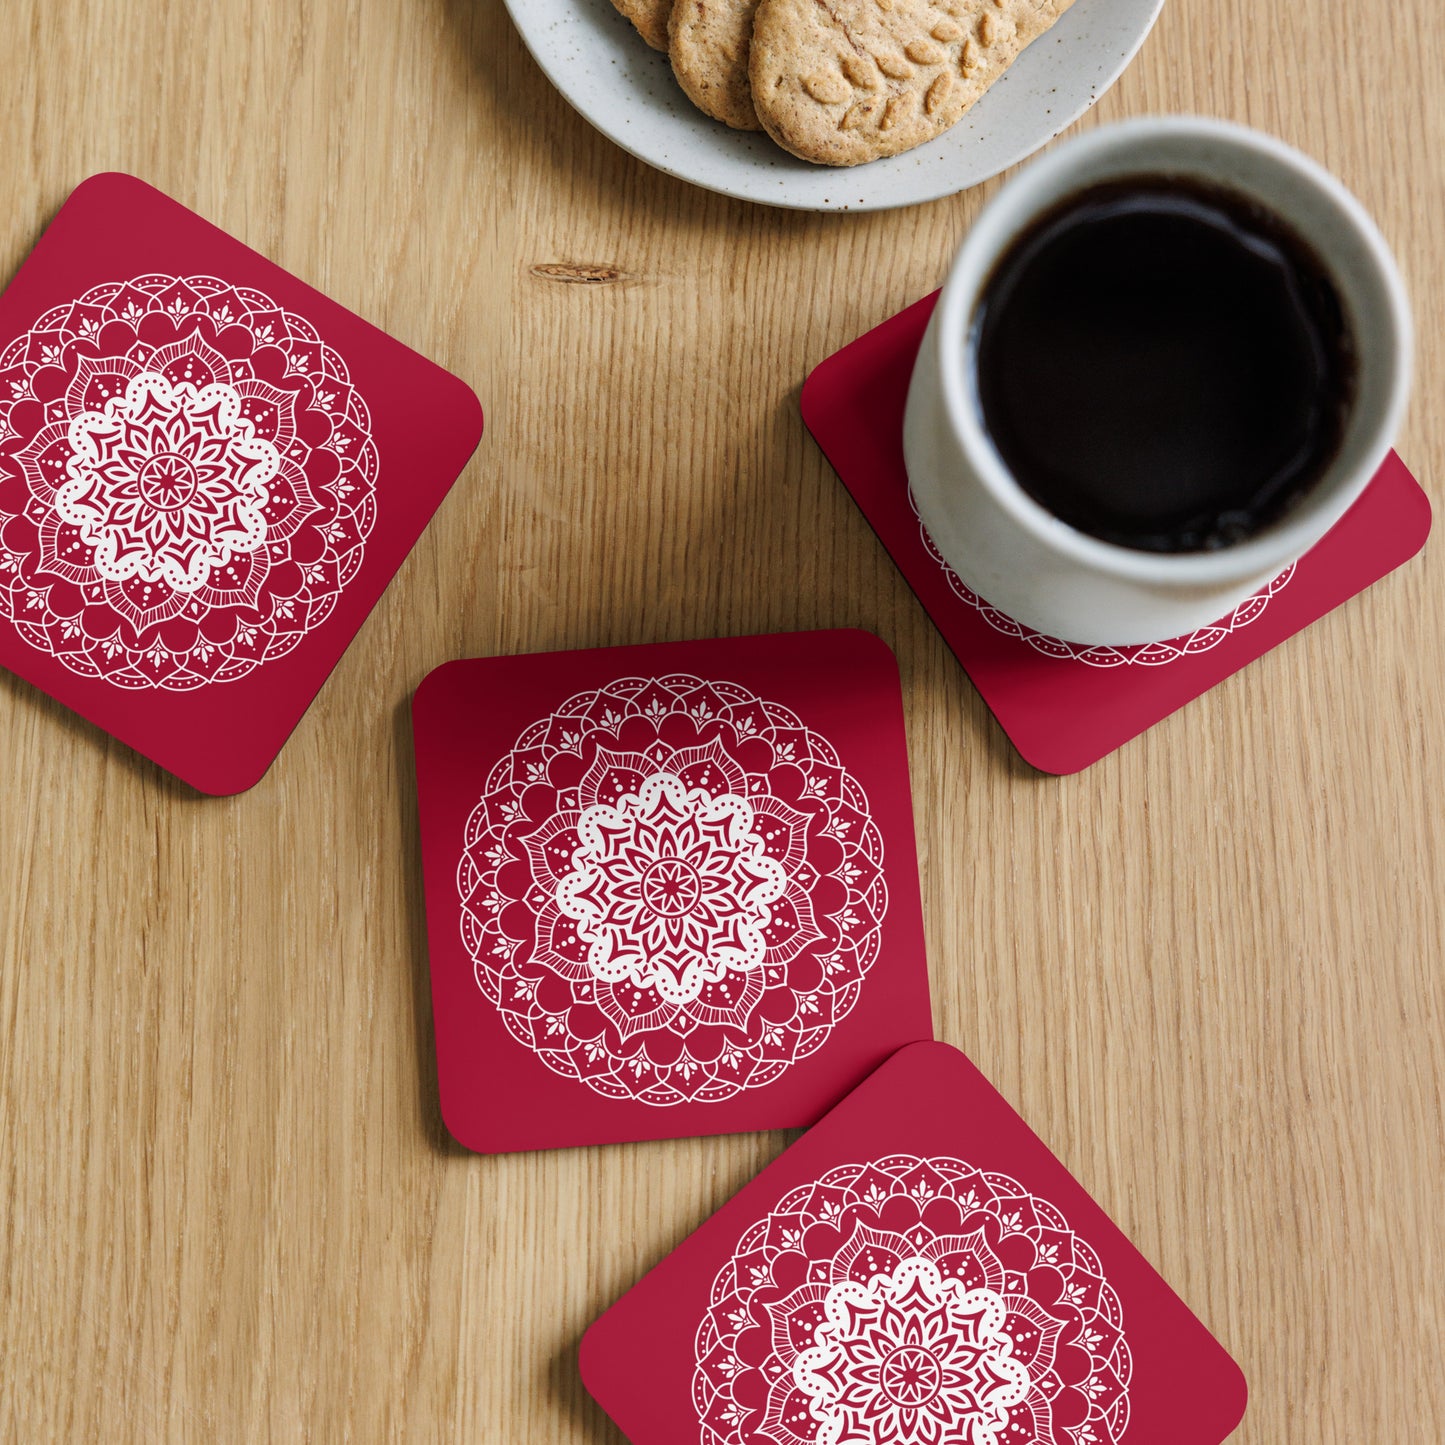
580 273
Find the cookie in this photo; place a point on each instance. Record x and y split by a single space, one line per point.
708 45
852 80
650 17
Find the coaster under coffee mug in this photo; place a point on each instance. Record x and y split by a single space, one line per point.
1063 705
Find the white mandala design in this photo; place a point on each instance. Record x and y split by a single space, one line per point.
167 482
187 482
671 890
908 1356
1153 654
912 1301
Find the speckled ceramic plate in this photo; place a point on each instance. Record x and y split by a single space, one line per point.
596 59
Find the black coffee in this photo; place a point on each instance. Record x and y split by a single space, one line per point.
1163 364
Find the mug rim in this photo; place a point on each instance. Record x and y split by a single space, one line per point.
1032 192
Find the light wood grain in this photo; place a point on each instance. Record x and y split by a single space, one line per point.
1208 970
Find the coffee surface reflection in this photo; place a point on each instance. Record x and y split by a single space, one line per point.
1163 364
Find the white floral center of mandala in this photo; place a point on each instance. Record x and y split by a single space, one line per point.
671 888
909 1358
167 482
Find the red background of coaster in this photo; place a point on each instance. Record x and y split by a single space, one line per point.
496 1094
426 423
637 1359
1062 714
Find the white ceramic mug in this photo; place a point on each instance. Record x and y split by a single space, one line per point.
1053 577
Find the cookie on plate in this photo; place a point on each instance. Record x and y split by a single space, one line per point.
708 45
650 17
854 80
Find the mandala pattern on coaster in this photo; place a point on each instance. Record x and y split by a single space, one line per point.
187 482
912 1302
1153 654
671 890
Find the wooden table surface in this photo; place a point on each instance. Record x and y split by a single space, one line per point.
1207 971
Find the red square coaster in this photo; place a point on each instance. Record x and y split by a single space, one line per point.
670 890
208 474
1065 706
917 1270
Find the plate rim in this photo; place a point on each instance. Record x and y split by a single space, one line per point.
517 13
